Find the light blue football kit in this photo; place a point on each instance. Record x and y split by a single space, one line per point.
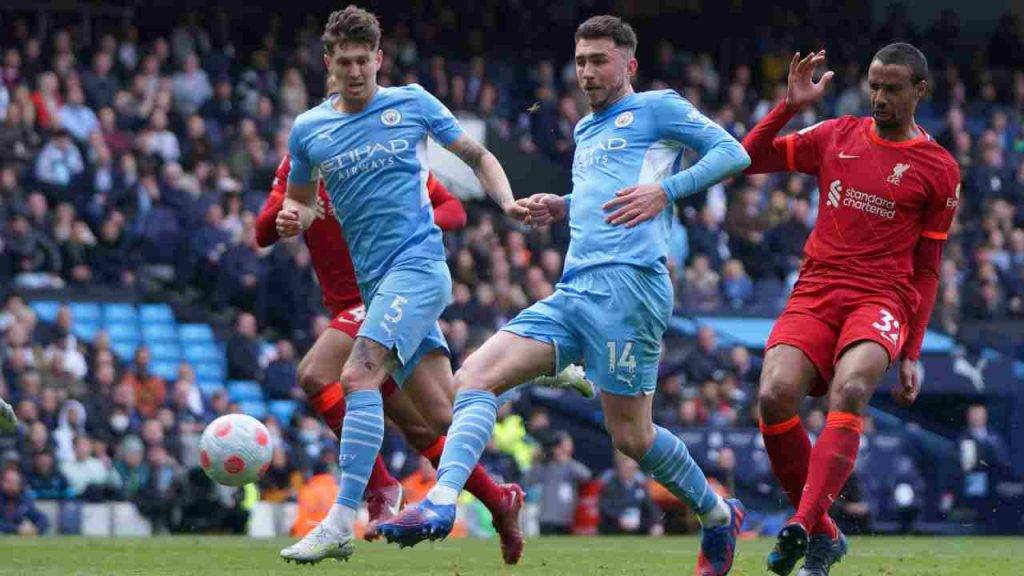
373 163
614 299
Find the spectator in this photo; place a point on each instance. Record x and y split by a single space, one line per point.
702 290
131 467
983 454
282 374
190 87
624 504
150 390
158 495
77 118
18 512
558 478
58 162
243 349
45 480
737 288
101 86
282 480
89 477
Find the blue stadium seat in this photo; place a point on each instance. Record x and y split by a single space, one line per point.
46 310
283 410
255 408
85 311
203 353
164 369
156 313
159 332
124 350
242 390
165 351
85 330
114 312
195 333
123 331
208 387
208 370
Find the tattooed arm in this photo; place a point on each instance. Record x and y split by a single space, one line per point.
491 174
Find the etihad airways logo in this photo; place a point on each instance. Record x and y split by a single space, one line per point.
853 198
599 153
365 158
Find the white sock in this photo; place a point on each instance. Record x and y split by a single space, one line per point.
717 516
341 518
442 495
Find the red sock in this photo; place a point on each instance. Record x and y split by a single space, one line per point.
832 461
789 450
479 484
329 403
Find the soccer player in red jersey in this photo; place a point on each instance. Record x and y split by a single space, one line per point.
320 370
867 286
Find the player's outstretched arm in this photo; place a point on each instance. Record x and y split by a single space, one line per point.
491 175
771 154
266 222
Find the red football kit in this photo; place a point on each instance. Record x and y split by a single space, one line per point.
871 263
329 251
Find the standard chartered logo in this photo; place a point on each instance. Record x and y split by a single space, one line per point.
366 158
863 201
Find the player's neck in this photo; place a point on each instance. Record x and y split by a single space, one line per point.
348 106
902 133
611 101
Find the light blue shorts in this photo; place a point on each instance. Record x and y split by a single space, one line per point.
402 308
611 317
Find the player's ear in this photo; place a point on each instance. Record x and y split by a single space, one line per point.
922 89
380 57
632 65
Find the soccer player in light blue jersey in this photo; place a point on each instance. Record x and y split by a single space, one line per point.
368 144
614 300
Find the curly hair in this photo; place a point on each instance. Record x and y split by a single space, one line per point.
353 24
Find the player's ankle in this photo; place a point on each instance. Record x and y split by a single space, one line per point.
826 526
341 518
443 495
719 515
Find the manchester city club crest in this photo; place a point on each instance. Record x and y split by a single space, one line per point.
390 117
624 119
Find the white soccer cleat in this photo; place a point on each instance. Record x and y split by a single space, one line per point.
573 377
8 421
321 543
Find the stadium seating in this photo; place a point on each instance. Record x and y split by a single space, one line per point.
283 410
120 312
244 390
255 408
46 310
156 313
160 332
195 333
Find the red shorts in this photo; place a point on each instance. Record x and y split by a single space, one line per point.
348 322
824 317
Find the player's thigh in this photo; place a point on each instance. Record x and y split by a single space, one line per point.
813 328
403 311
787 377
368 364
870 342
401 409
323 363
621 319
429 388
629 422
506 360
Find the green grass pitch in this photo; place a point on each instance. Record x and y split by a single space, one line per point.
227 556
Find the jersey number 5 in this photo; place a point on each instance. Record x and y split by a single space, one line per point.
888 326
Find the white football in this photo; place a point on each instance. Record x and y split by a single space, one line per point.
235 450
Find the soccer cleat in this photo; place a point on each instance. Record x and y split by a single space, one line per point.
506 523
321 543
822 553
718 544
8 421
789 549
572 378
424 521
383 504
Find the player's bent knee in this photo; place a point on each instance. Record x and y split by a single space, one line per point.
852 393
633 441
468 378
310 379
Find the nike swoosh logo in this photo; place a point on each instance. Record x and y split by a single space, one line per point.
846 156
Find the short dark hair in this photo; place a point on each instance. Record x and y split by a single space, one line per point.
353 24
903 54
608 26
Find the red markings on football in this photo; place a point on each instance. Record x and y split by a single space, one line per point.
204 460
261 438
223 430
264 468
234 464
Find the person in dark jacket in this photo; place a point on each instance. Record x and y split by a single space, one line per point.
18 511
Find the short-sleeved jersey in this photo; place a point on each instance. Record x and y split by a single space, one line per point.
877 197
374 164
637 140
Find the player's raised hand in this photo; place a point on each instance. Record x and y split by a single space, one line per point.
910 383
635 204
546 209
802 89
